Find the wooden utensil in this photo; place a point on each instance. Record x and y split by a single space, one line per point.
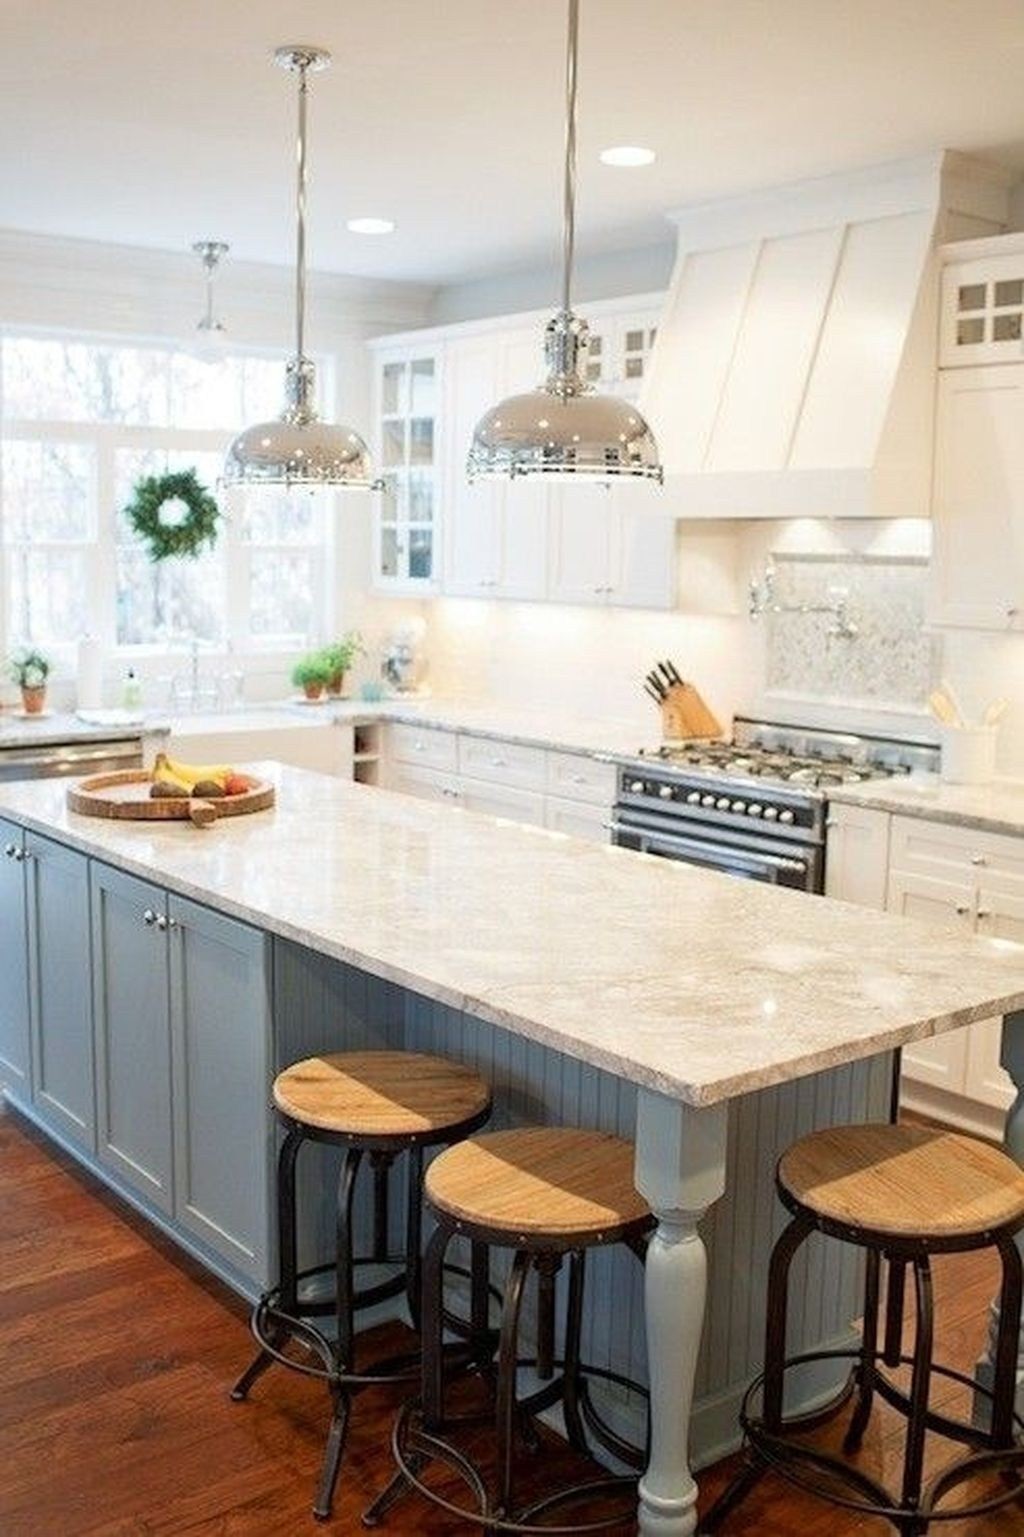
943 708
124 796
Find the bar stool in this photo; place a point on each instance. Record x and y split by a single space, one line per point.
375 1104
544 1193
901 1193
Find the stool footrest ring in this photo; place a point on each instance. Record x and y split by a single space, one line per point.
776 1450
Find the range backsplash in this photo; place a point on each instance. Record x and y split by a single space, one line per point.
890 663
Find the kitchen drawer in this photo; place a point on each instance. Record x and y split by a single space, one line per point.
504 763
578 819
579 778
422 745
935 848
425 783
501 800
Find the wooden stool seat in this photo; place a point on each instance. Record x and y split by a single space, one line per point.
904 1182
551 1184
381 1094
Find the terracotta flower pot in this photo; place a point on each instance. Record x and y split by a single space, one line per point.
336 684
33 700
312 690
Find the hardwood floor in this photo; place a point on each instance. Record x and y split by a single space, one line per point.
116 1354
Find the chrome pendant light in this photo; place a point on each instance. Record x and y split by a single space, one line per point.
210 331
297 448
564 427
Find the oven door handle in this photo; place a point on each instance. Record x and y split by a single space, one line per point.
741 858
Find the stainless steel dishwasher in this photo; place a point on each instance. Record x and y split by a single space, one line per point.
52 760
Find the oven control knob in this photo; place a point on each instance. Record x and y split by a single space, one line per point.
755 809
786 816
707 800
665 792
770 813
693 799
636 787
739 807
723 803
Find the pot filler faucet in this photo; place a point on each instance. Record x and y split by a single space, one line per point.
762 600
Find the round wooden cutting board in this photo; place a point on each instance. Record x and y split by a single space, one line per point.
124 795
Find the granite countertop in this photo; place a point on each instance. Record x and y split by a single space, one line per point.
18 731
997 807
693 983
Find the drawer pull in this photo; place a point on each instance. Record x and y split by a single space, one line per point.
984 912
499 763
978 859
962 910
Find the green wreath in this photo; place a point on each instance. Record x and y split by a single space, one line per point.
185 534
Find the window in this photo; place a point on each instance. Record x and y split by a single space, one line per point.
82 421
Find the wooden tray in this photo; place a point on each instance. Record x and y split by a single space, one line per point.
124 795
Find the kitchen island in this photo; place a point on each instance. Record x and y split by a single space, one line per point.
711 1018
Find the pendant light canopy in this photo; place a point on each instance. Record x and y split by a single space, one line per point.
564 427
297 448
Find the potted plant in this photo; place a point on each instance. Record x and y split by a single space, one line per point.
311 673
339 656
30 670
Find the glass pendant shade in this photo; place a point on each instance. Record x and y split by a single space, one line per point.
565 427
297 448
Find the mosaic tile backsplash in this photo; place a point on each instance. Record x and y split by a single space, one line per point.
890 662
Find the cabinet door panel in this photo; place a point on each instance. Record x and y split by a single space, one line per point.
581 534
977 570
15 1051
941 1062
857 855
1000 916
132 1033
471 511
578 819
643 549
223 1134
61 988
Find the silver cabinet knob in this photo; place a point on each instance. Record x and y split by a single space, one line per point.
984 912
978 859
11 850
149 917
21 855
161 922
962 910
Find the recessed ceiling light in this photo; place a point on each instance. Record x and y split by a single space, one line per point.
370 226
628 154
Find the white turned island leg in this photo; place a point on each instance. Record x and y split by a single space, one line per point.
680 1170
1011 1056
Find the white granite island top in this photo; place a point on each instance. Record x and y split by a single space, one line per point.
698 985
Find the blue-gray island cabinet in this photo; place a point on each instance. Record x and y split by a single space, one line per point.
156 976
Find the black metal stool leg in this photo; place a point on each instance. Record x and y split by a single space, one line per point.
919 1384
573 1331
414 1235
287 1258
783 1254
1007 1344
481 1338
506 1415
867 1365
345 1342
432 1334
381 1165
895 1296
547 1267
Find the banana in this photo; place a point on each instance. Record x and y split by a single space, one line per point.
193 773
164 774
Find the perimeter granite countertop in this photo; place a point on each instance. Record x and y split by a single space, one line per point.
692 983
52 730
996 807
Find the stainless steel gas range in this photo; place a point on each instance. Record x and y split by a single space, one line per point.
756 806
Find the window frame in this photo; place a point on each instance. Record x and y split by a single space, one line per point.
238 642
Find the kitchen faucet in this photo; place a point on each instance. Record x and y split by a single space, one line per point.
762 600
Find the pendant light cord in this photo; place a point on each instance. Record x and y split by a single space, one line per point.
300 223
569 185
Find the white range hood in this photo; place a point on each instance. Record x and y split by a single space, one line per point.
794 369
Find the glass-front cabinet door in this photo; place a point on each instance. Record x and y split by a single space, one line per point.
407 539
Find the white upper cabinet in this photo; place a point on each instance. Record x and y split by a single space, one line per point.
983 308
471 536
977 571
407 392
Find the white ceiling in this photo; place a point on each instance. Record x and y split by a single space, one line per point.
162 121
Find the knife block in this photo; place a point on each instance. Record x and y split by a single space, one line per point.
685 715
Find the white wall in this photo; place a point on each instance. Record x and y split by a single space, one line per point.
607 275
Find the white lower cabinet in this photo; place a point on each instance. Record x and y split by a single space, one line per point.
953 877
566 792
